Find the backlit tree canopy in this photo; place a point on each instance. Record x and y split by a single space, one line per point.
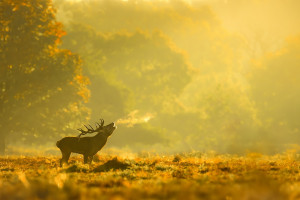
42 87
177 61
276 90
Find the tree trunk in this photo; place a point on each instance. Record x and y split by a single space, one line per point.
2 145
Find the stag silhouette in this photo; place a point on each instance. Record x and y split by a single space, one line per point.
87 146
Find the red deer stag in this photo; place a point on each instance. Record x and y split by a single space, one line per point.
88 146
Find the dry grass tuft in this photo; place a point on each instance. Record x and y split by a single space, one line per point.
113 164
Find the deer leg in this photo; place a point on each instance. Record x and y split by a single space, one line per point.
90 159
85 159
65 158
61 160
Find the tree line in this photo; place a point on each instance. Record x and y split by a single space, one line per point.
171 59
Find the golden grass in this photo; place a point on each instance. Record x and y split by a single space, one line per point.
197 176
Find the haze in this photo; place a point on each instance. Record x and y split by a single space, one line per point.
181 76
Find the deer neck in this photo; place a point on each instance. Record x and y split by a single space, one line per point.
101 136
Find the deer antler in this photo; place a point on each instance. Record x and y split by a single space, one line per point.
90 129
99 125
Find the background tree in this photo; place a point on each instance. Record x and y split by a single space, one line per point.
176 60
134 71
276 91
42 88
171 58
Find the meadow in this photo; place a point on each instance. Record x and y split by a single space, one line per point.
184 176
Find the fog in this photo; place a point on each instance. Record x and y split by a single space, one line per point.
181 76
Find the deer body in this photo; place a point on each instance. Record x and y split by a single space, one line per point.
87 146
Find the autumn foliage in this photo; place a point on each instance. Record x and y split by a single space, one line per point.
40 83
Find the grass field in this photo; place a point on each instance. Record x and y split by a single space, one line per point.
187 176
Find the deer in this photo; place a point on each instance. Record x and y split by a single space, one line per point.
87 146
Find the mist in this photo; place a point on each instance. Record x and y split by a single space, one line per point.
178 76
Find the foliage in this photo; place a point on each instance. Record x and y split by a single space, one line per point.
204 176
145 65
194 28
42 87
183 68
133 71
168 70
275 90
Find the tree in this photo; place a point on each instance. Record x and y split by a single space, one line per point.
148 69
193 27
133 71
42 89
276 91
148 65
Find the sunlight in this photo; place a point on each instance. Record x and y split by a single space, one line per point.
204 93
